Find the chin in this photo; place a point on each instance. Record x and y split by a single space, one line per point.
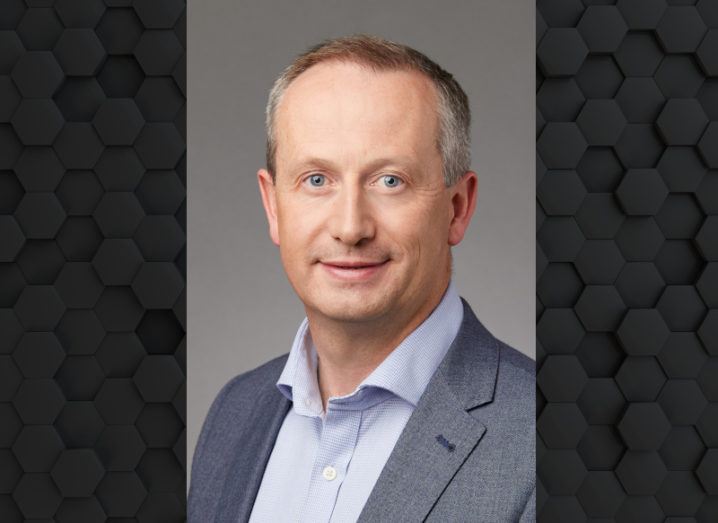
355 309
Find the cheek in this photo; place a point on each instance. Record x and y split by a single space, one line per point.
433 237
298 226
291 216
420 234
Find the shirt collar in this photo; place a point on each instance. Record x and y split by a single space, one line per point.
405 372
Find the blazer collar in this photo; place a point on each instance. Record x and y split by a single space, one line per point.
471 365
440 434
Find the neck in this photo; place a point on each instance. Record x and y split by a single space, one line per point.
348 352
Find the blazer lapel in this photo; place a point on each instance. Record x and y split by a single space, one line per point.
251 456
440 434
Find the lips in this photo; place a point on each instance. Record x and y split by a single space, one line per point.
353 264
353 270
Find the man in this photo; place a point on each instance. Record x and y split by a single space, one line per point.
394 403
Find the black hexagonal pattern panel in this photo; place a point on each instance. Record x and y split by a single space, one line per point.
627 274
90 273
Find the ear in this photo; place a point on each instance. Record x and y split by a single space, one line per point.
269 200
463 203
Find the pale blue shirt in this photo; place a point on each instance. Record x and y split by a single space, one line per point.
324 465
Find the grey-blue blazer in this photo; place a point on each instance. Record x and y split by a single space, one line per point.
467 452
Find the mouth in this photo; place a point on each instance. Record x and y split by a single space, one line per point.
352 264
353 270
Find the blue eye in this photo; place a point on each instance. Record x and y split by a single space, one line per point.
392 181
317 180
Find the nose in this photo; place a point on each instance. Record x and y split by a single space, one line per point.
351 221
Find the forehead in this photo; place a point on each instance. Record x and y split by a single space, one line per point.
336 104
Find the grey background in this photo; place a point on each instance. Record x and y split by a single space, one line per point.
241 309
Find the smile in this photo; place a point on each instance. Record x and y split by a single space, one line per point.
352 270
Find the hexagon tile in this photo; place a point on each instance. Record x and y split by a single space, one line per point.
627 269
92 331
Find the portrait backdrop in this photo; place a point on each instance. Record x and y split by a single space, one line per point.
627 282
241 309
92 260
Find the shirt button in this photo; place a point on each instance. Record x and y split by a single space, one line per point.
308 402
329 473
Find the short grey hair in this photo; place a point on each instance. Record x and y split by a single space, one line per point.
453 141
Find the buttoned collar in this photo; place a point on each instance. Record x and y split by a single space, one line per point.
404 373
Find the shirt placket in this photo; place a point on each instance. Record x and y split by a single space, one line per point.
336 447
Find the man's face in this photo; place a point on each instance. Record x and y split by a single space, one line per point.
359 208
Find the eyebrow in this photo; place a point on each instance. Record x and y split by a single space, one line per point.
377 163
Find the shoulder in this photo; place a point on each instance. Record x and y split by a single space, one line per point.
504 373
245 387
234 407
241 404
260 376
237 399
516 366
515 391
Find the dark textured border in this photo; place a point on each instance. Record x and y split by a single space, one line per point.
92 260
627 261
